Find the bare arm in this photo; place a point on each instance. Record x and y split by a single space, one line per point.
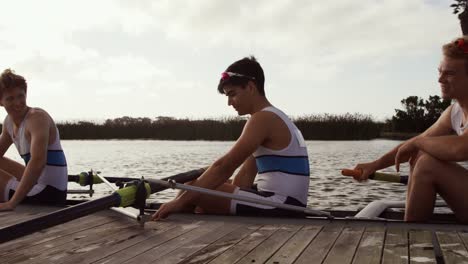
441 127
255 132
38 128
5 141
246 175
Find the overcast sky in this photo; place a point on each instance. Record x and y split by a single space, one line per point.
92 60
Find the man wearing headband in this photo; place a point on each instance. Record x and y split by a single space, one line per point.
433 155
270 149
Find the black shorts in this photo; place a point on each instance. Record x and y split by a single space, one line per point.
249 209
48 196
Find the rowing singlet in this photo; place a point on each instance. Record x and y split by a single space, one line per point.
284 172
55 172
456 116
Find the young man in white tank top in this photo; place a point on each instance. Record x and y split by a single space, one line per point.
433 155
270 148
43 178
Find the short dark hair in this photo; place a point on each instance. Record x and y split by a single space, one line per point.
252 71
10 80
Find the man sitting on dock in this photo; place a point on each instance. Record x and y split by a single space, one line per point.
44 178
433 155
270 149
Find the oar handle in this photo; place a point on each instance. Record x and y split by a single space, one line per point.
379 176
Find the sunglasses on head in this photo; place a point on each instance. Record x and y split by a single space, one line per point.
227 75
462 45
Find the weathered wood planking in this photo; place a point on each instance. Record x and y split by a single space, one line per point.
66 229
318 249
156 252
371 246
421 247
108 237
217 248
395 246
290 251
269 246
345 246
453 248
244 246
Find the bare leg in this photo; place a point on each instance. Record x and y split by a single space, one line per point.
4 178
430 176
12 167
217 205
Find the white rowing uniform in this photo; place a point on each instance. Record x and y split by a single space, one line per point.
282 175
52 183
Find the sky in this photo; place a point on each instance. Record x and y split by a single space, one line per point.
93 60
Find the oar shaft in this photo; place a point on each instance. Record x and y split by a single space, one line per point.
57 217
82 179
125 196
379 176
191 188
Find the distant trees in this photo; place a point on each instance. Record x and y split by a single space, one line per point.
459 7
418 114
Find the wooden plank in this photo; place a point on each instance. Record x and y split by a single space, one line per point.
49 234
149 243
464 237
201 242
290 251
171 245
210 252
420 246
453 249
243 247
371 246
269 246
105 246
395 246
345 246
43 250
23 213
321 245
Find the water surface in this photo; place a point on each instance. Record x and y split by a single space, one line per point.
157 159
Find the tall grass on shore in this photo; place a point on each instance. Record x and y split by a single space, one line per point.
338 127
318 127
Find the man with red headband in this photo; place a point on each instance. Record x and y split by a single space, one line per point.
270 149
433 155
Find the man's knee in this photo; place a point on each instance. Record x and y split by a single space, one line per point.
424 167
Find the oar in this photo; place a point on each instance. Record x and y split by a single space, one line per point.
305 210
379 176
84 178
122 197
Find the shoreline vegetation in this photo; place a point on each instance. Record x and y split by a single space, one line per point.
313 127
416 115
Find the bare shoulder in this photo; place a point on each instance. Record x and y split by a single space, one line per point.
264 118
443 125
38 118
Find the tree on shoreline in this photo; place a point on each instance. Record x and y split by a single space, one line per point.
418 114
460 8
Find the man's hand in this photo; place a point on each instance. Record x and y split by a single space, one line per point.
406 152
7 206
367 169
166 209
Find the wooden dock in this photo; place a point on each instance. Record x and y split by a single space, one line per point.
108 237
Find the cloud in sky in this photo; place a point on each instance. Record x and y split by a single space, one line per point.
152 58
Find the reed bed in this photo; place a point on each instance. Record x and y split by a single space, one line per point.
313 127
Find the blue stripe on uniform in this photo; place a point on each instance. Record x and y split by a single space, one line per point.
298 165
54 158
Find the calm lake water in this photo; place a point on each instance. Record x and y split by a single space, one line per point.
157 159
